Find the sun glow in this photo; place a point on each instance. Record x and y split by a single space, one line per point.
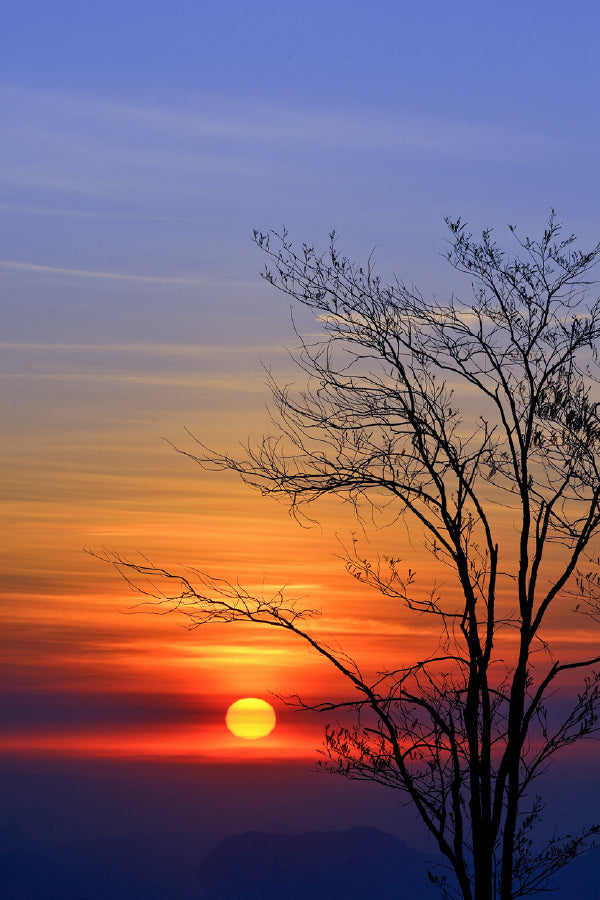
250 718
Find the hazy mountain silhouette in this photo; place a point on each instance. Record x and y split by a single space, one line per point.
359 864
108 831
336 865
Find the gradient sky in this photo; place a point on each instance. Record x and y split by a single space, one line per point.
141 144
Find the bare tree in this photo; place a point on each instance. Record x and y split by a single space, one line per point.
464 733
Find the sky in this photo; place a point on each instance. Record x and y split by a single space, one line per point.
142 143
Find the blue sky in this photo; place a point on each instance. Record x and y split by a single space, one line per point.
168 130
147 140
509 64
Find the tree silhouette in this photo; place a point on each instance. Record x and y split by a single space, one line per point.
464 733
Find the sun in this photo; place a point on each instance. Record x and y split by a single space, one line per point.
250 718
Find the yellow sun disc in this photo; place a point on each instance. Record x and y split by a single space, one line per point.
250 718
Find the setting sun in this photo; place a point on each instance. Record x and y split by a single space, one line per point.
250 718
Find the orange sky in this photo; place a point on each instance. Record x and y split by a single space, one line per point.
86 466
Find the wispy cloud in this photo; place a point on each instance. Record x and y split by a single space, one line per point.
69 143
216 279
263 123
84 273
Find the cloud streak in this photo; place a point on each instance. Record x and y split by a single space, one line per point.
264 124
111 276
73 144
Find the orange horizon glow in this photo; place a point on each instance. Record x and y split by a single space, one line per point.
210 744
105 478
